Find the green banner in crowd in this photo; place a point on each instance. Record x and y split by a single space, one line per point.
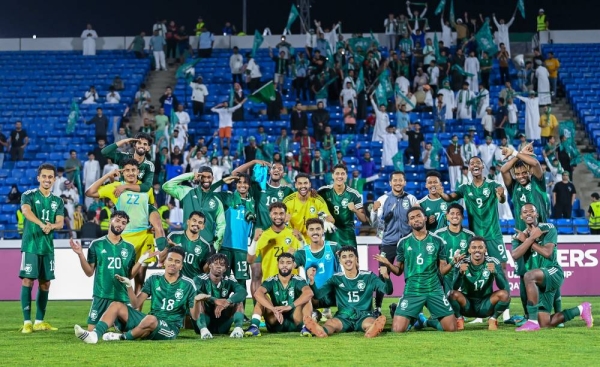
264 94
485 40
294 14
567 129
183 71
452 18
74 115
592 164
434 156
362 43
360 81
258 40
398 160
521 7
440 7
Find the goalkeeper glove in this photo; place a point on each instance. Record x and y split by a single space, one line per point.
329 227
124 280
145 256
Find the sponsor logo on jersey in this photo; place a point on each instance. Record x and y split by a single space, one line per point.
404 304
486 192
179 294
37 202
443 206
103 251
288 241
312 210
361 285
345 203
54 205
342 285
486 274
430 248
528 187
124 252
463 244
197 250
405 204
327 256
291 292
212 204
224 293
280 194
93 314
158 289
409 248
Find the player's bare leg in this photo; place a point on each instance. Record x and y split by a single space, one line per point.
501 302
139 278
400 324
300 314
584 310
332 326
373 327
116 311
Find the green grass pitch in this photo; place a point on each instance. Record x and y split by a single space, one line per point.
475 346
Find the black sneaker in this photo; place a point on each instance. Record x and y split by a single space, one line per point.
393 309
376 312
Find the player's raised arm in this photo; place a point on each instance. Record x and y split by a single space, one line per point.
323 294
449 197
87 265
239 293
220 224
391 267
246 166
135 301
92 191
459 272
525 243
173 187
500 277
383 286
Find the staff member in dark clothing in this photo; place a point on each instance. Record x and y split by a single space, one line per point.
100 123
563 197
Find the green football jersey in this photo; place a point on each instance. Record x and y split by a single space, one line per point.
196 253
437 208
421 263
549 236
353 296
227 288
454 241
266 197
532 193
110 260
46 209
146 168
170 301
338 207
478 281
482 208
281 295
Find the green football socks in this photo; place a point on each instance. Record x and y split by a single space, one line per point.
201 322
41 302
557 302
532 311
238 319
26 302
100 329
499 308
571 313
455 307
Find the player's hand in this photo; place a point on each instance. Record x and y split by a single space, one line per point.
351 206
376 205
491 267
76 247
431 219
119 190
171 243
278 315
131 141
218 311
500 191
283 309
123 280
528 148
313 193
147 255
46 228
535 233
298 235
329 227
257 234
506 151
222 303
310 274
382 259
463 268
202 297
457 257
383 270
521 236
230 179
197 176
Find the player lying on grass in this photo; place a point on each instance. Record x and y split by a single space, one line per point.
352 290
107 257
172 296
544 276
222 300
473 294
284 300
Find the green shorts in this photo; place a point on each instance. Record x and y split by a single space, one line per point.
448 284
99 306
288 325
410 306
219 325
237 263
477 308
343 236
553 280
34 266
164 330
497 249
352 322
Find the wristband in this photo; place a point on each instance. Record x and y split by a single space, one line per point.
252 248
514 154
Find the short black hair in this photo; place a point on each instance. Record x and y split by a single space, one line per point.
218 257
477 238
415 208
121 214
204 169
301 175
47 166
130 162
595 196
200 214
143 136
397 173
72 151
348 249
286 255
340 166
433 173
178 250
277 205
455 206
314 221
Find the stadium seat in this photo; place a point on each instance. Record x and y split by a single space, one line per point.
564 226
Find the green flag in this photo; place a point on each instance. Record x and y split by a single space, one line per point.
231 99
440 7
264 94
183 72
436 47
240 147
294 14
74 115
592 164
327 83
452 18
344 146
384 81
485 40
360 81
374 40
398 161
381 95
521 7
359 44
435 152
258 40
407 100
567 129
461 70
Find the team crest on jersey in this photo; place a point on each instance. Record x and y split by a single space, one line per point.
54 206
486 273
28 268
212 204
486 192
528 187
312 210
443 206
345 203
430 248
198 250
361 285
327 256
280 194
405 204
404 304
224 293
291 292
463 244
288 241
124 252
93 314
179 294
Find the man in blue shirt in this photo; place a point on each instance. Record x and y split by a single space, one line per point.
205 43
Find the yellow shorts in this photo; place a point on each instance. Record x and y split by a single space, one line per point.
142 241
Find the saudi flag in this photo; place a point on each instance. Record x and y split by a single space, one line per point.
452 17
186 71
485 40
266 94
440 7
360 81
74 115
258 40
592 164
292 17
567 129
435 152
521 7
231 94
398 160
381 95
384 81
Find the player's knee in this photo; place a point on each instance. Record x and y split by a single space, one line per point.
453 295
44 285
529 277
149 322
503 296
27 282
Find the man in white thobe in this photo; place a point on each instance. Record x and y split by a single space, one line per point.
532 116
390 145
89 41
446 32
502 36
472 67
462 102
543 85
403 84
484 101
486 152
468 150
449 99
382 121
91 173
183 119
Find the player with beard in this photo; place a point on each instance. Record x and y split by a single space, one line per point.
473 294
107 257
222 299
343 203
196 248
172 296
288 301
200 199
435 207
537 246
352 291
524 178
137 206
